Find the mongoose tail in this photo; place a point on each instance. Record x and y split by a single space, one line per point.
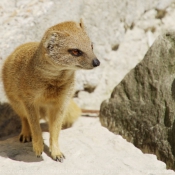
72 114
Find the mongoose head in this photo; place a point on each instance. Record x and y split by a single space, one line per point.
67 45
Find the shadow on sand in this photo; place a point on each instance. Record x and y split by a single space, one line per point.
10 147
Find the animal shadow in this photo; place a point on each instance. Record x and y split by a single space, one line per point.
10 146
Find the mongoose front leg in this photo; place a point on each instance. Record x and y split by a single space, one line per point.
55 123
33 119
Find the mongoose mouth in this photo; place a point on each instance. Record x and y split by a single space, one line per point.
80 67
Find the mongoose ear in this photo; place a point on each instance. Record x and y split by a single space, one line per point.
53 37
82 24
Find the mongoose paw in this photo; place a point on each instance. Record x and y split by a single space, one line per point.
38 156
38 153
25 138
59 158
38 148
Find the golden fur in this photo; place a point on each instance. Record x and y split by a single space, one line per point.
39 82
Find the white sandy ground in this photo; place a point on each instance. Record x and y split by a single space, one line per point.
89 149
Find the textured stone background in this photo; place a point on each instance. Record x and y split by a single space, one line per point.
121 31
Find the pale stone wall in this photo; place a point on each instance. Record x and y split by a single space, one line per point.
121 31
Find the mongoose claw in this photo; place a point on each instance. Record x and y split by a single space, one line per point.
24 139
59 158
39 155
63 156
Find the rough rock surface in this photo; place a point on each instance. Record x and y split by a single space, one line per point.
89 149
142 106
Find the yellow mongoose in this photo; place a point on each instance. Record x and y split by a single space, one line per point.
39 81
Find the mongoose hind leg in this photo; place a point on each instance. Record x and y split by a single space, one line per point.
25 135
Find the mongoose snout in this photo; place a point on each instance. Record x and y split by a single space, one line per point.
95 62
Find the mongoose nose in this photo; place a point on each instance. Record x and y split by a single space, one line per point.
95 62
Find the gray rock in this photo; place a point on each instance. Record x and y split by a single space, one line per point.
10 123
142 106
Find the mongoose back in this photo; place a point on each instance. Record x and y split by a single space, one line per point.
38 80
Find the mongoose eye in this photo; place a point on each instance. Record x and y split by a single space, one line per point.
92 46
75 52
